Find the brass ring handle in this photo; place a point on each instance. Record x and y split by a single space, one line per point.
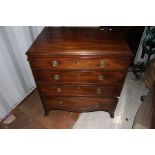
98 91
55 63
56 77
102 63
100 77
58 90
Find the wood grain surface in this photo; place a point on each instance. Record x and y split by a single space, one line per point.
79 69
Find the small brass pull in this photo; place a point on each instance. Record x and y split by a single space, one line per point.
55 63
98 91
100 77
102 63
56 77
60 102
58 90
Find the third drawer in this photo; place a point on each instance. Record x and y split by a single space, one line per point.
79 90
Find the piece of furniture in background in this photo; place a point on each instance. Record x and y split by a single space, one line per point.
80 69
145 116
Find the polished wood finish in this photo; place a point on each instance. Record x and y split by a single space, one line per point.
79 90
80 104
79 69
79 41
89 77
80 63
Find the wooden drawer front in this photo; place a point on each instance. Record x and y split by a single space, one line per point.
79 77
79 104
80 90
79 63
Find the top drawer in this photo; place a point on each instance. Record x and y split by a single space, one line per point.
79 63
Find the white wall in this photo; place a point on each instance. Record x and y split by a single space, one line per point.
16 80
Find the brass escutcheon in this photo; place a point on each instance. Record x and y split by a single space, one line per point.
55 63
58 90
56 77
98 91
102 63
100 77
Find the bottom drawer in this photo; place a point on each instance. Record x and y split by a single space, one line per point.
80 104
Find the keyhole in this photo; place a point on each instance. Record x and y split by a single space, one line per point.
78 61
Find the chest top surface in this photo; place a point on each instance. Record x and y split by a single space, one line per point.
79 41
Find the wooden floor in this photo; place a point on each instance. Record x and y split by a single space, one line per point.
30 115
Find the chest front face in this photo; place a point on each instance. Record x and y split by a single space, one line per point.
79 69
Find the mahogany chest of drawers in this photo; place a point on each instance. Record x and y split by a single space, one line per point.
79 69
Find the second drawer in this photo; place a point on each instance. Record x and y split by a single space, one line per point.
78 77
80 90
